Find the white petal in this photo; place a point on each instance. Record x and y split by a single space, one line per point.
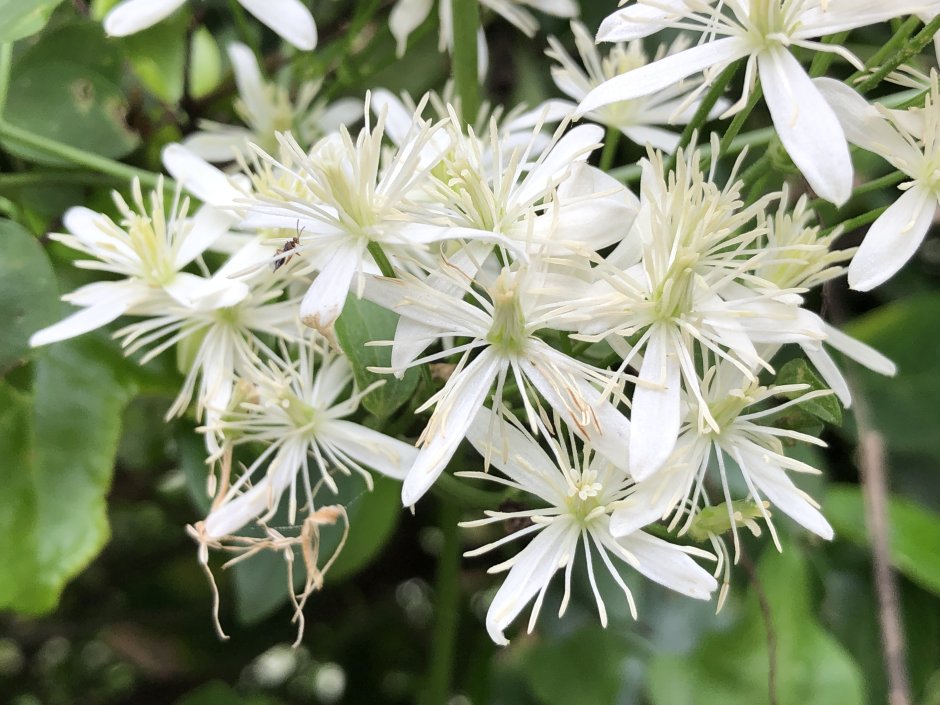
289 18
460 400
251 86
207 226
835 16
219 146
863 124
204 181
777 487
638 21
324 300
830 372
669 565
405 18
652 499
382 453
344 111
134 15
806 125
575 146
535 565
656 137
655 416
892 239
518 456
858 351
83 321
663 73
548 113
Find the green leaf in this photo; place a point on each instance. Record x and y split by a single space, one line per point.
797 371
555 669
261 582
904 407
732 667
28 292
58 449
22 18
914 532
66 88
364 322
205 70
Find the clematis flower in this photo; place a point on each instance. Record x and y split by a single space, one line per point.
637 119
909 141
579 490
288 18
297 409
744 436
502 326
267 108
762 31
683 283
149 248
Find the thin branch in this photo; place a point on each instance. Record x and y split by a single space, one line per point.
767 615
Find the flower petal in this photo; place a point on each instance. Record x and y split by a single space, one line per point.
324 300
405 18
207 226
835 16
533 569
288 18
655 416
892 239
82 321
204 181
251 86
806 125
459 401
669 565
382 453
639 20
660 74
131 16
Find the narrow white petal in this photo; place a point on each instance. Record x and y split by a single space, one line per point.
638 20
835 16
806 125
251 85
219 146
655 416
382 453
535 565
777 487
207 226
655 137
859 351
892 239
830 372
131 16
324 300
204 181
461 399
669 565
288 18
344 111
548 113
652 499
575 146
663 73
862 123
405 18
83 321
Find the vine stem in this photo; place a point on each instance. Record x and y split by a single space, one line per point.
6 61
80 157
466 15
447 598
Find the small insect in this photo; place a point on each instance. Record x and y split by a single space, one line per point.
283 255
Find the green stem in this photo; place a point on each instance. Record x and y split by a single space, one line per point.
911 49
874 185
381 260
610 148
447 602
724 146
857 222
466 14
80 157
6 61
31 179
704 108
894 44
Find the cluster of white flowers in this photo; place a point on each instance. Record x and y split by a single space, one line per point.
606 353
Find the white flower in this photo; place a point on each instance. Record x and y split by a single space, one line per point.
762 31
289 18
742 435
637 119
298 412
580 492
683 285
266 108
910 141
149 248
502 326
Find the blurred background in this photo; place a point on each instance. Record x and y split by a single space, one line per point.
103 599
